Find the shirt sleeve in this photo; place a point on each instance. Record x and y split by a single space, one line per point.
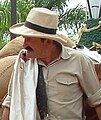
89 81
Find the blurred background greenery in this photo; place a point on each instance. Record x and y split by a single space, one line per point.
70 19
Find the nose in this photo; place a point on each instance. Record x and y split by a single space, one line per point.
25 44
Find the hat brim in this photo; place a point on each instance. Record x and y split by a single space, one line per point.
20 29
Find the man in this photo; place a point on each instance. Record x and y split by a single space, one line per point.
68 74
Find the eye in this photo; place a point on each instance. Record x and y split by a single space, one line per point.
28 48
99 79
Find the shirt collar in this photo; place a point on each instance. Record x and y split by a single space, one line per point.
65 53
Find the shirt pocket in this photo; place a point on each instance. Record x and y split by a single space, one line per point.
67 81
68 88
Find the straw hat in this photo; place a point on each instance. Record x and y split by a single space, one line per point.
41 23
70 43
12 47
6 67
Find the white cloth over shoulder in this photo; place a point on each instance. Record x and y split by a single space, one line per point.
23 101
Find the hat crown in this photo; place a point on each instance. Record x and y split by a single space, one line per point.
43 17
41 23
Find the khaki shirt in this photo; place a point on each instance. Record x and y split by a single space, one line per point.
67 79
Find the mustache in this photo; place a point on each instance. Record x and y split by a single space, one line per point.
24 53
29 48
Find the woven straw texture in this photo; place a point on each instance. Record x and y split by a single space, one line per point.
6 66
8 55
12 48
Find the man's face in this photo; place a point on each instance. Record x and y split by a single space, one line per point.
34 46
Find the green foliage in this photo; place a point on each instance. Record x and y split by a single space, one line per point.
4 21
68 18
23 8
88 38
93 36
4 15
71 19
57 4
2 43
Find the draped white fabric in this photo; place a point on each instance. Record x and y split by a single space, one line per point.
23 101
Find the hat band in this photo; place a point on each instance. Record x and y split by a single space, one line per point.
40 28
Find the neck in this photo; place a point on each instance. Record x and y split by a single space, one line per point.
52 55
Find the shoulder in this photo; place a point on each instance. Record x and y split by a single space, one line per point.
74 52
76 55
